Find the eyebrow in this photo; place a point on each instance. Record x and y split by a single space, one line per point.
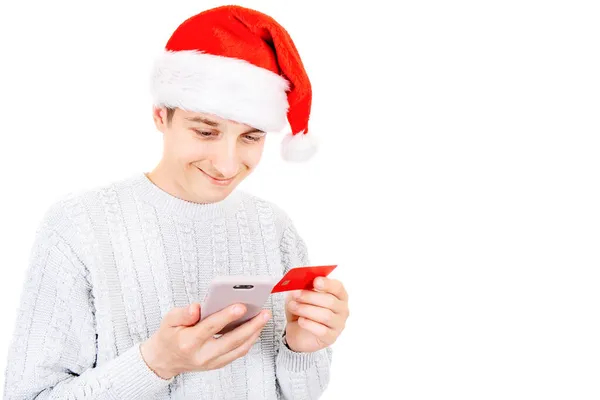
212 123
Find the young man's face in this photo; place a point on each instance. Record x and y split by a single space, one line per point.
205 157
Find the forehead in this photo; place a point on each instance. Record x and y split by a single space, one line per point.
210 119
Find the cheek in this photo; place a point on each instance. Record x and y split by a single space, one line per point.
188 150
252 155
194 154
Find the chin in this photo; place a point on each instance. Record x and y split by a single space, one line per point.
211 193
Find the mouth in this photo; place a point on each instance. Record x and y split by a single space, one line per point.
217 181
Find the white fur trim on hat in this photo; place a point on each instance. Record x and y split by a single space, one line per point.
299 147
230 88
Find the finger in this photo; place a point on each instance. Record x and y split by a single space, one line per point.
332 286
213 324
236 337
321 332
321 315
237 352
183 316
320 299
289 317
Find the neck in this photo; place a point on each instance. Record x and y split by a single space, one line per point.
164 178
155 189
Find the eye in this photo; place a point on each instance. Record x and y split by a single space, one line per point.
205 134
252 138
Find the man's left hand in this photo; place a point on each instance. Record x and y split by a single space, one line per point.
316 318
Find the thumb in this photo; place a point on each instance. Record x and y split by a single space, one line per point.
183 316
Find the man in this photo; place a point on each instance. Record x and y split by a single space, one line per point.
110 308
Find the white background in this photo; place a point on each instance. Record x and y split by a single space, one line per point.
457 183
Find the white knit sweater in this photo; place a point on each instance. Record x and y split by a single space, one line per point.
108 264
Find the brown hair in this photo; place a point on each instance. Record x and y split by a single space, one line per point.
170 112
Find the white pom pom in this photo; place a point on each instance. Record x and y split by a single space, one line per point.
298 147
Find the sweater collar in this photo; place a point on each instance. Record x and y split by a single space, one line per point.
150 193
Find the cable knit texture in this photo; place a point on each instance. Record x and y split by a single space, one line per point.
108 264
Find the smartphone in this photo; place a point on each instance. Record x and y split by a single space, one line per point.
252 291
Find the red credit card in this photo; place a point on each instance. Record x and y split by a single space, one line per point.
301 278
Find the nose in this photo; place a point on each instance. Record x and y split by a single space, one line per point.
226 158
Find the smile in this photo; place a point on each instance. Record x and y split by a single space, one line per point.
219 182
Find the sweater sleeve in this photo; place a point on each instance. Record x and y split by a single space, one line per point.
300 375
52 354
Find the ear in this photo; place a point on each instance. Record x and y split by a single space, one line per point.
159 114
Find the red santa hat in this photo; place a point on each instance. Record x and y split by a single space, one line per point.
241 65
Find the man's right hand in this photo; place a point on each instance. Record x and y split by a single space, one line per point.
182 344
